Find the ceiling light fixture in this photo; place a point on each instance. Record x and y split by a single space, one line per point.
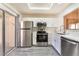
40 8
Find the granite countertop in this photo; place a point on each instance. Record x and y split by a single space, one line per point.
74 37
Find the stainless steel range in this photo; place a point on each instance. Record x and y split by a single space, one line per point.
42 35
42 38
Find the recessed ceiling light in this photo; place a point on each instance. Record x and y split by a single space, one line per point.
40 8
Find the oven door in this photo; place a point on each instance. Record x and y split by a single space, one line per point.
42 38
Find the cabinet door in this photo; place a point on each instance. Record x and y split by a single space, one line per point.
78 15
34 38
1 32
54 41
70 19
9 32
65 23
77 23
58 43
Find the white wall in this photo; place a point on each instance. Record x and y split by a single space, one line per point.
51 22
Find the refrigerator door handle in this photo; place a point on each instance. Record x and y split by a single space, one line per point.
26 28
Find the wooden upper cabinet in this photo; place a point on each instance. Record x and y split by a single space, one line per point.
75 16
71 18
65 23
78 15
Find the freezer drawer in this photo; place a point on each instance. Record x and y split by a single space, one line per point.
69 48
26 38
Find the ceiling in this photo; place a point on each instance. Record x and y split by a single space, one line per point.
53 9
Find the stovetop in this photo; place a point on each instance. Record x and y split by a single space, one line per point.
41 33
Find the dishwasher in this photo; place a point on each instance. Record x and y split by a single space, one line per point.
69 47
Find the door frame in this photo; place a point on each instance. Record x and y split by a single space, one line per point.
3 31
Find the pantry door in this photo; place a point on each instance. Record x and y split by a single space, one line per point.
9 32
1 32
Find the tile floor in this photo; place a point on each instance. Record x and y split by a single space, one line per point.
34 51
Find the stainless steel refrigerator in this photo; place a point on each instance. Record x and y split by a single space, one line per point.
26 41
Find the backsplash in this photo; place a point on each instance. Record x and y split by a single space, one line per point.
72 31
60 29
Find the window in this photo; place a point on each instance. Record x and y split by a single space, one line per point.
77 25
72 26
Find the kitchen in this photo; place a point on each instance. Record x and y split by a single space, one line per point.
58 24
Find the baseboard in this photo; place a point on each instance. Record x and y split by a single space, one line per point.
56 50
42 46
24 46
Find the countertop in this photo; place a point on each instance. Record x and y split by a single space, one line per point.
74 37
